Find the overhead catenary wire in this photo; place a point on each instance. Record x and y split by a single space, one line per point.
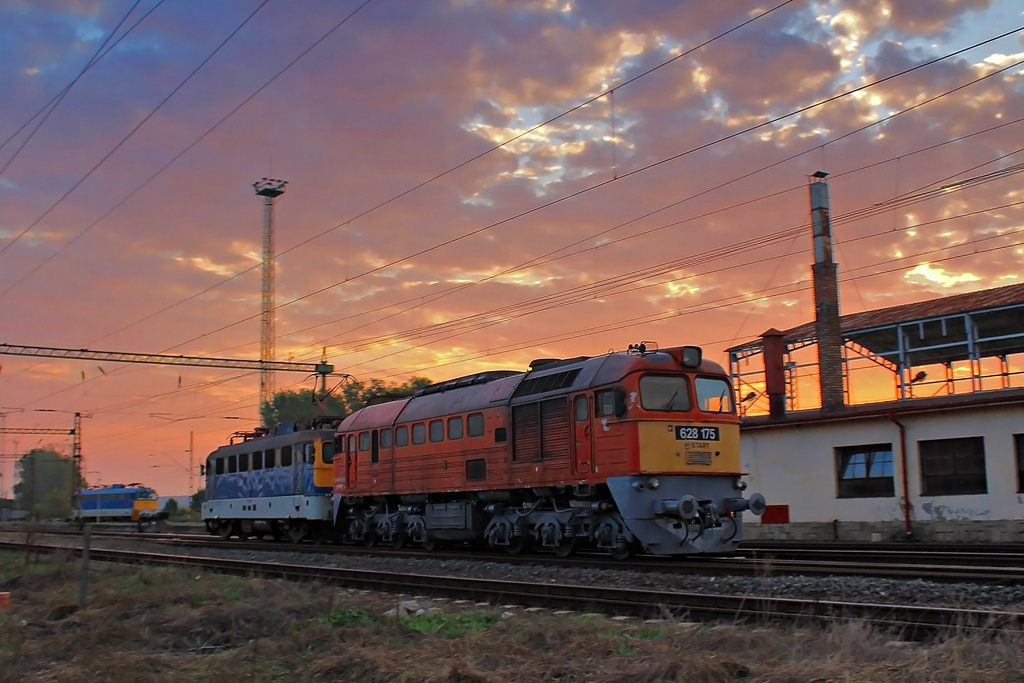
598 185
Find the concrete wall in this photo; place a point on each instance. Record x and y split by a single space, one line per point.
794 464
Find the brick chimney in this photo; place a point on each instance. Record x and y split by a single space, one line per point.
826 299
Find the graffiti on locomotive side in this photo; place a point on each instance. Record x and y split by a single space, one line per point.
696 433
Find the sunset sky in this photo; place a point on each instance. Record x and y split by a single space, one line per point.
472 184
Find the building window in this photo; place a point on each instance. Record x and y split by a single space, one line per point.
865 471
1018 445
952 467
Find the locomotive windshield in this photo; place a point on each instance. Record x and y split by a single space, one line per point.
658 392
714 395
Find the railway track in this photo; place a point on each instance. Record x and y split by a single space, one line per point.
909 621
941 563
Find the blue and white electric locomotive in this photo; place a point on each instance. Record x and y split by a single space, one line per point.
279 484
117 503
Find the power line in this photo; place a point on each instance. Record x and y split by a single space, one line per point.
109 154
381 204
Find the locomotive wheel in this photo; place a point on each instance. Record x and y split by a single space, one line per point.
565 547
620 553
516 544
224 530
398 539
430 544
297 533
370 539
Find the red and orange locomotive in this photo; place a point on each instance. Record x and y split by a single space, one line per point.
629 451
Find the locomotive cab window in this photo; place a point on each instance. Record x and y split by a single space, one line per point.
714 395
664 392
257 460
232 464
364 441
328 447
268 458
243 462
219 467
610 403
286 456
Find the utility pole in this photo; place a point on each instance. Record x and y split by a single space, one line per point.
269 189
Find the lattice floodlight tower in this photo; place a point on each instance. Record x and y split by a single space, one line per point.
269 189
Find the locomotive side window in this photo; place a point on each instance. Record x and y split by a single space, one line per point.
268 458
419 433
328 447
604 403
385 437
455 428
286 456
658 392
582 406
714 395
436 431
476 470
308 453
500 435
351 443
257 460
364 441
243 462
232 464
402 436
476 424
219 466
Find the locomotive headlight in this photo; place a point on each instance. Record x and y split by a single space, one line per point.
654 482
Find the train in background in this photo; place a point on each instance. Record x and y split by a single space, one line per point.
118 503
632 451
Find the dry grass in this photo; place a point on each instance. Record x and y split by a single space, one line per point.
146 624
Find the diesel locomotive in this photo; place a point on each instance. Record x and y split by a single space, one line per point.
632 451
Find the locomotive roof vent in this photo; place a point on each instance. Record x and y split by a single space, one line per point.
540 362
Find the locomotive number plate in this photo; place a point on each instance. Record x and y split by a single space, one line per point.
695 433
